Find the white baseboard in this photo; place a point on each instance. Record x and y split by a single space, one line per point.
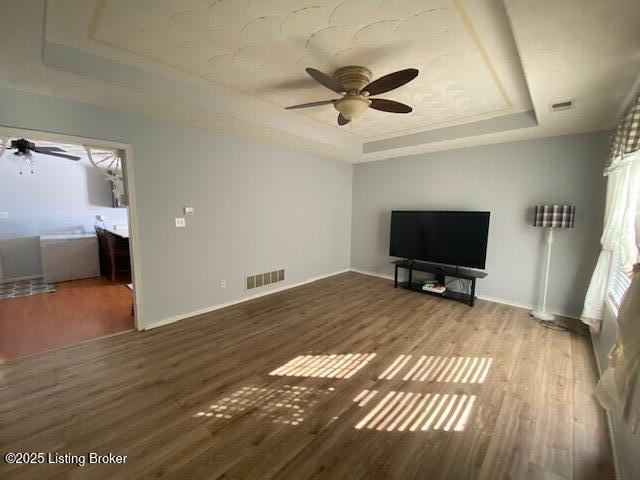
20 279
482 297
175 318
373 274
526 306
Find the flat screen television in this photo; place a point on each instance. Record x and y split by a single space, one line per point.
453 238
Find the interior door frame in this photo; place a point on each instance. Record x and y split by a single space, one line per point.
129 185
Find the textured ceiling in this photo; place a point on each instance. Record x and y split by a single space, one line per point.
261 48
574 49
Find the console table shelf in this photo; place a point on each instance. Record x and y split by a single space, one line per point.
440 272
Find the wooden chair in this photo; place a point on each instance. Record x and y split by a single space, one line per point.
114 253
101 233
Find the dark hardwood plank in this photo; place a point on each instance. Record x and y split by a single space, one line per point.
195 399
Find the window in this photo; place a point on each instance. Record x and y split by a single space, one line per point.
625 251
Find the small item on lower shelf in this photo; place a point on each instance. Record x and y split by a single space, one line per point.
435 288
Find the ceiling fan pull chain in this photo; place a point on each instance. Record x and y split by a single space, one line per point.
26 163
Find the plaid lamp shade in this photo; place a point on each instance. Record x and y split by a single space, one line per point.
556 216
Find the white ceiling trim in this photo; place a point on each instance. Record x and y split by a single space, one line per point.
570 49
211 97
104 35
504 123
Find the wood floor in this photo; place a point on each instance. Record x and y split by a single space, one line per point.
196 399
78 310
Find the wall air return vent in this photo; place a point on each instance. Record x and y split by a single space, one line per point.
561 106
263 279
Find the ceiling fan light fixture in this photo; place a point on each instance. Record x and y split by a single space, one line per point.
354 84
352 106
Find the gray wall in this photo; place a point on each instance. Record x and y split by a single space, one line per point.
257 207
507 180
626 444
62 196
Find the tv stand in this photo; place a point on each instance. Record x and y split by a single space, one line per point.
440 272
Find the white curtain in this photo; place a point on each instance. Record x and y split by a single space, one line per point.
619 383
620 214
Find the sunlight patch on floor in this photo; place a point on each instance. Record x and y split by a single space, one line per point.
364 396
439 369
288 404
407 411
324 366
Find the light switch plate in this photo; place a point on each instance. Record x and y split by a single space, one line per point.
4 215
189 211
181 222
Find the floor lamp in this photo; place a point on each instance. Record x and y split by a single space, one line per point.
550 217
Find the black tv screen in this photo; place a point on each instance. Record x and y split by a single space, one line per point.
454 238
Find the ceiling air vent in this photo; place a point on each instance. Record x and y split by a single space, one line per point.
560 106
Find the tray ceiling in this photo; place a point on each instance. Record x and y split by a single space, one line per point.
148 57
262 47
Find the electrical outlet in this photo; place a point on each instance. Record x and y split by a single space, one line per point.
223 283
189 211
180 222
4 215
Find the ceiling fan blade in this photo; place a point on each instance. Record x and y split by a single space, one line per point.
389 106
391 81
312 104
342 120
47 149
61 155
325 80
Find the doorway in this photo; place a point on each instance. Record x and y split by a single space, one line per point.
67 259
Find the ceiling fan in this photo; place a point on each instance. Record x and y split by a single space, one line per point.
355 85
24 149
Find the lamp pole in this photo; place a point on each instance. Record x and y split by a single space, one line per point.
543 314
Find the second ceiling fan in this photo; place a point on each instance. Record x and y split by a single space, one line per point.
355 85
